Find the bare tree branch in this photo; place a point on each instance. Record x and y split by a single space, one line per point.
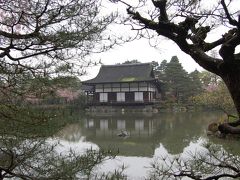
230 19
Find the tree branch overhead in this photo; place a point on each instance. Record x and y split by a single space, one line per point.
188 24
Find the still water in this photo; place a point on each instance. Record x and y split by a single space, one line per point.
148 137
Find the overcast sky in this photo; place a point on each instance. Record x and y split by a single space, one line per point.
142 51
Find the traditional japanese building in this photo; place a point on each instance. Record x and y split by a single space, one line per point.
123 85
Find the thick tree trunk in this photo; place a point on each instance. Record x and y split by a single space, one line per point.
230 128
232 81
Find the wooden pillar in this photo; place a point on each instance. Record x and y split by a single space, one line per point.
87 97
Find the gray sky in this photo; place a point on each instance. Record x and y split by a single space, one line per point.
142 51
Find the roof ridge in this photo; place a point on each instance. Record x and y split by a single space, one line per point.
117 73
133 64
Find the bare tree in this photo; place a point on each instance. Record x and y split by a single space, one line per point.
187 23
42 38
59 30
39 39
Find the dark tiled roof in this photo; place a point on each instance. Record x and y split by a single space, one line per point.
123 73
87 88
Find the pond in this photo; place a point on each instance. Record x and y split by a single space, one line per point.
140 137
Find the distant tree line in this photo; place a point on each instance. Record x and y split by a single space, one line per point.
178 84
203 89
44 90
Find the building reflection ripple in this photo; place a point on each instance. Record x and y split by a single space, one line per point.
146 131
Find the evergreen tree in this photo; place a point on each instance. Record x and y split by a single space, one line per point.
177 85
195 87
163 65
155 66
161 75
189 32
160 70
177 80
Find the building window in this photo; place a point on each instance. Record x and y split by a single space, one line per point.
121 124
129 96
120 97
89 123
103 124
112 97
103 97
139 125
138 96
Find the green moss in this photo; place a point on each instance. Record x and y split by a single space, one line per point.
128 79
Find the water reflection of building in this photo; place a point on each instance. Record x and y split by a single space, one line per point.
111 126
174 131
140 128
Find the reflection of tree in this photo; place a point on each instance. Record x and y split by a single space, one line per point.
71 132
230 144
37 159
176 131
206 162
